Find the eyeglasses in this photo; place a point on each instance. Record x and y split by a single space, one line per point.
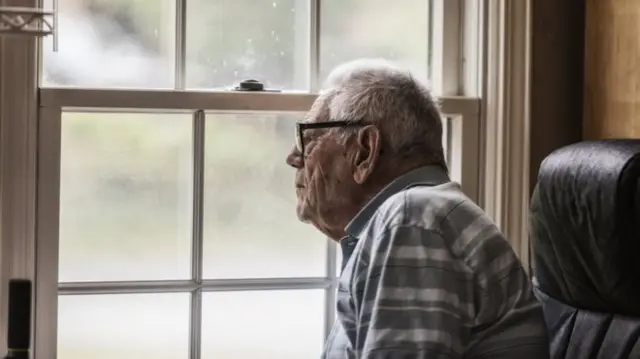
302 126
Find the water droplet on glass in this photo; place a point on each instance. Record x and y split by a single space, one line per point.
249 40
281 53
273 33
235 74
275 4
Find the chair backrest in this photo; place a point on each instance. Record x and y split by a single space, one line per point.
585 235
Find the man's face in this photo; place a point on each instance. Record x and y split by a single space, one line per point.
324 180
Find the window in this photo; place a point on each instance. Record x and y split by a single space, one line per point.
166 224
214 44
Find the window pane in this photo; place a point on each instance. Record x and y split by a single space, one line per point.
263 324
125 196
111 43
229 41
250 223
353 29
131 326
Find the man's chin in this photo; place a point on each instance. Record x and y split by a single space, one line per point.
303 216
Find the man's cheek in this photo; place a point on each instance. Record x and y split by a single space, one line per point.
314 193
315 179
310 197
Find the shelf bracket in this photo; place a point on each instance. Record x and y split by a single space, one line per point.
26 21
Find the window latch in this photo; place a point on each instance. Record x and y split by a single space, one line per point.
252 86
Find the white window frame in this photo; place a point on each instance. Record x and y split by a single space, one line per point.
30 127
506 119
53 102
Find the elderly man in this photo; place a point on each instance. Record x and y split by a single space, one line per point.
425 273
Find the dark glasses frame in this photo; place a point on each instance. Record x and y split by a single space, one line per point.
302 126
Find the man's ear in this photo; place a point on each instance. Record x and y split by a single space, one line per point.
367 153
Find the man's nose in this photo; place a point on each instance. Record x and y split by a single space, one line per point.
294 159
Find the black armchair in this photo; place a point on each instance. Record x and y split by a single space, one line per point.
585 235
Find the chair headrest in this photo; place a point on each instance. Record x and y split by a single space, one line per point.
585 226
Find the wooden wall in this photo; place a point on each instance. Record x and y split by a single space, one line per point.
556 77
612 69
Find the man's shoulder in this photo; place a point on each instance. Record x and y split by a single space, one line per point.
462 238
411 218
467 231
427 207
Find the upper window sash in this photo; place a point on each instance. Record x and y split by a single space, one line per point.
447 56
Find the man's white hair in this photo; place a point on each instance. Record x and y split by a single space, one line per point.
381 93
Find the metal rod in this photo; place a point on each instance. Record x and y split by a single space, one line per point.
181 44
314 45
160 286
55 25
430 40
195 325
209 285
197 244
195 330
264 284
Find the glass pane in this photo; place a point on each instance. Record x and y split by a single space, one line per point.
353 29
125 196
229 41
131 326
263 324
250 223
111 43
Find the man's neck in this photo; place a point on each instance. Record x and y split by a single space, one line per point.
363 194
